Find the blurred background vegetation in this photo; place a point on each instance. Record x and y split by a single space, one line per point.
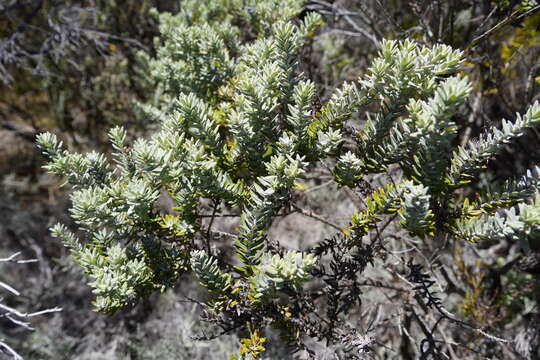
74 68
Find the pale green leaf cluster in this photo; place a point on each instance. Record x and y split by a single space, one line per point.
415 213
506 194
78 170
267 196
518 223
117 278
468 160
278 272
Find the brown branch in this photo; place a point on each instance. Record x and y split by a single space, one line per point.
514 16
311 214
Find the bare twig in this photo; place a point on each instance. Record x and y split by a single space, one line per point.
9 288
10 310
215 206
514 16
336 10
5 348
12 259
312 215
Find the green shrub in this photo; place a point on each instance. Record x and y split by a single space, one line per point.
240 130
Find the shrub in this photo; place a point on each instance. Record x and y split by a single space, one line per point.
241 130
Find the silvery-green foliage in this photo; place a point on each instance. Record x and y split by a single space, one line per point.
277 272
267 195
239 128
503 195
517 223
468 160
79 170
415 212
206 269
348 169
